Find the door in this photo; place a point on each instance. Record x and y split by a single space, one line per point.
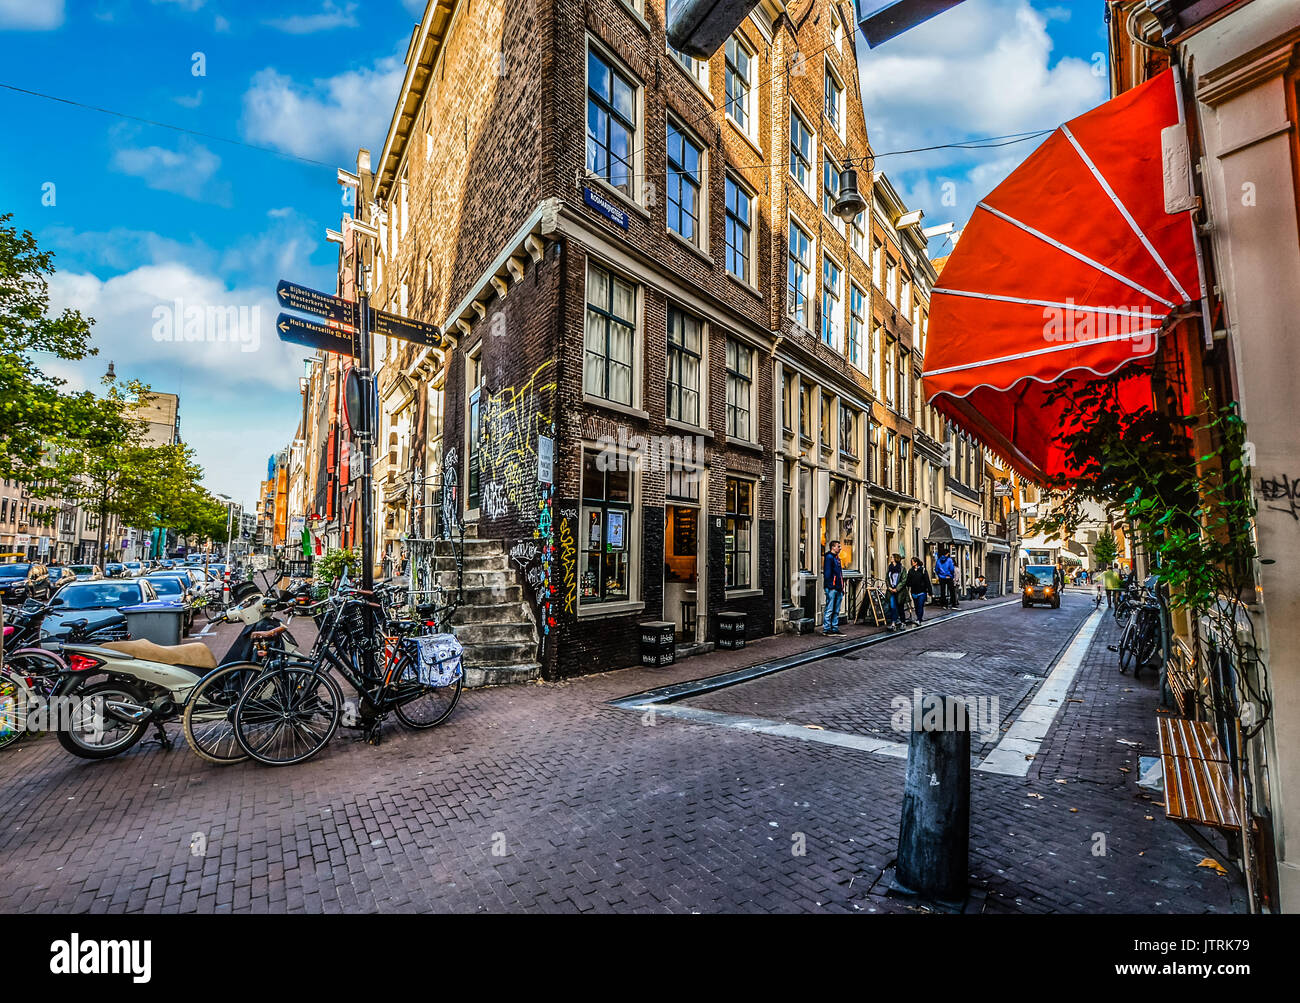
683 597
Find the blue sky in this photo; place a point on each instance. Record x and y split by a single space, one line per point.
147 222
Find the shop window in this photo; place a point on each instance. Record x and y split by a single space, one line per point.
607 529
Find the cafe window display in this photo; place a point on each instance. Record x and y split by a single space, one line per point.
739 546
606 528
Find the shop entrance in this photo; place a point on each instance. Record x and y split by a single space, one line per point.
684 600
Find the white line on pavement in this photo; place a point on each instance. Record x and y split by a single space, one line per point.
1024 738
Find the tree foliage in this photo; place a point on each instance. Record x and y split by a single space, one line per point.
1106 549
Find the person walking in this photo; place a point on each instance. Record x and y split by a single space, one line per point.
895 586
1111 582
944 570
833 583
918 584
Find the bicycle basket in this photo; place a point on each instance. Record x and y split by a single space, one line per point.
437 659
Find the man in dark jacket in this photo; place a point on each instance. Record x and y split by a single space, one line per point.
833 583
918 583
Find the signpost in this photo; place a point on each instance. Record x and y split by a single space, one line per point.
390 325
313 301
313 335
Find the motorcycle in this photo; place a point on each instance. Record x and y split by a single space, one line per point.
118 689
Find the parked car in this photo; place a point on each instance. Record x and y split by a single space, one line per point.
86 572
22 581
114 569
95 601
166 563
60 575
133 569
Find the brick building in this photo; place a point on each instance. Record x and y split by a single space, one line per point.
647 299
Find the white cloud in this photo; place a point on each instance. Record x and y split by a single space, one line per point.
189 100
31 15
984 68
189 5
330 16
330 117
186 171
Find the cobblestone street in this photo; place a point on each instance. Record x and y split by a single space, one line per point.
547 798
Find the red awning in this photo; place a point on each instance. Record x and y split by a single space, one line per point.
1068 269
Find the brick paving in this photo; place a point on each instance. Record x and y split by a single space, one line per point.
544 798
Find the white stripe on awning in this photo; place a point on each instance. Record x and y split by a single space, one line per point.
1041 351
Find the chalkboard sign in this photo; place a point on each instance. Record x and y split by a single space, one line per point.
877 599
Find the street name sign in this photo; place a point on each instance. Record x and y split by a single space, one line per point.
313 335
304 300
390 325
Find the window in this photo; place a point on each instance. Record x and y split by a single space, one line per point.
857 322
740 387
832 297
611 324
739 83
739 230
859 234
787 402
831 189
805 411
684 342
848 431
611 123
684 159
904 466
834 100
904 386
890 385
877 253
800 276
888 464
828 409
876 350
891 281
606 530
697 68
905 294
801 150
739 544
473 459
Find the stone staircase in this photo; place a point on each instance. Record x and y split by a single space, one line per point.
494 623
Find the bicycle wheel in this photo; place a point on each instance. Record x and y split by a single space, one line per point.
209 717
16 704
1148 643
428 706
42 668
287 715
1127 647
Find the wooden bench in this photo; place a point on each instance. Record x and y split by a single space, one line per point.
1181 679
1199 785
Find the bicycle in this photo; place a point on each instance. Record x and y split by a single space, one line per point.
291 710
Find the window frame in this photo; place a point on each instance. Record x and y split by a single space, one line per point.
831 74
748 127
733 378
828 210
731 182
807 186
833 313
857 325
733 516
631 529
617 68
610 318
804 318
701 360
682 177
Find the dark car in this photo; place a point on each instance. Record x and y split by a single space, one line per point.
1040 584
95 601
167 562
86 572
20 582
60 575
114 570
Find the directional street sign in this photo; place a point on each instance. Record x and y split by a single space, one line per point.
313 335
404 329
304 300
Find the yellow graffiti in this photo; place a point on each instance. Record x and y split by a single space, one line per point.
568 551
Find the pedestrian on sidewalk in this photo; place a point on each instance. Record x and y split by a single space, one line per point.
1111 582
918 584
833 583
944 569
981 587
895 586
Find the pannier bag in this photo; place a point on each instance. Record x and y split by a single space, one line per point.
437 659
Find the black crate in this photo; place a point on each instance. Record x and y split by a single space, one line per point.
731 630
658 642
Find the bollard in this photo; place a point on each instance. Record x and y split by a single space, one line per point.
934 834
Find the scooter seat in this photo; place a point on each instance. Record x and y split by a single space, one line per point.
195 656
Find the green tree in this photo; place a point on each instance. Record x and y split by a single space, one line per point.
1106 549
39 419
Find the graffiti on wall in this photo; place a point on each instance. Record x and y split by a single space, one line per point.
512 420
1282 494
568 561
545 589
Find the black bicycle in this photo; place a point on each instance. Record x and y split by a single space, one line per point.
290 711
